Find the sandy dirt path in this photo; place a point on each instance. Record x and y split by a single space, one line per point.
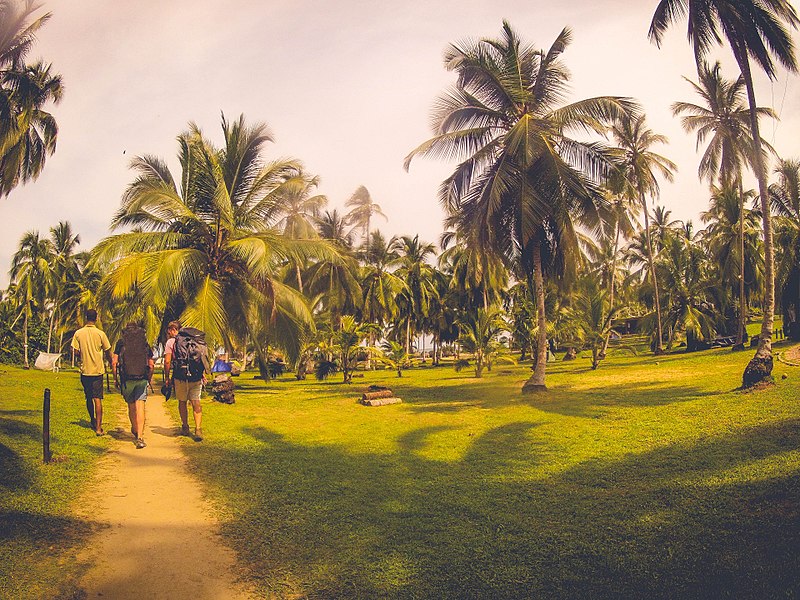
158 537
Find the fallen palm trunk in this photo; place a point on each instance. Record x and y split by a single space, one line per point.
381 401
222 388
377 395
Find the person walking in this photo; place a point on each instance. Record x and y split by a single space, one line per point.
133 365
91 344
185 367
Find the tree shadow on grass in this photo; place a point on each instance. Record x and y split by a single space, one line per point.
16 427
564 399
692 520
14 473
28 539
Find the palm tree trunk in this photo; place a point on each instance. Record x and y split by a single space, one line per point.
299 278
408 335
742 302
760 366
652 268
25 338
611 289
50 329
536 381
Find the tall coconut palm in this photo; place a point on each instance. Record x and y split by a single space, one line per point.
754 29
415 299
333 227
379 285
297 210
27 132
65 269
202 249
733 243
725 118
683 267
32 276
362 209
477 273
785 198
524 183
639 165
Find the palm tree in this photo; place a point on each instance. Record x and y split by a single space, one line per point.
524 182
202 251
733 243
32 276
297 210
394 355
362 209
785 198
65 269
754 29
477 273
415 299
726 119
27 132
638 164
333 227
379 286
347 339
684 269
479 331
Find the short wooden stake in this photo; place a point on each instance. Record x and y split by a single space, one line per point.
46 426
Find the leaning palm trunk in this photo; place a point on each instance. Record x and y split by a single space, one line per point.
760 366
652 268
25 339
742 302
611 290
536 382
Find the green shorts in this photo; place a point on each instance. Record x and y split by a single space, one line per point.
134 389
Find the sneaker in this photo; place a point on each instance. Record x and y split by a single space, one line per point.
140 443
185 430
198 434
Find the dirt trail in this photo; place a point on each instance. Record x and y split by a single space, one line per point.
159 538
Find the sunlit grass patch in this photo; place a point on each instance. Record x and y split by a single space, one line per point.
649 477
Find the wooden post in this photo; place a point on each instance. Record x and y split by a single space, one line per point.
46 426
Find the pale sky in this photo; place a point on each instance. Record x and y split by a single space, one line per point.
345 86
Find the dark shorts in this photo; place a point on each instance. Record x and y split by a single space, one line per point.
92 386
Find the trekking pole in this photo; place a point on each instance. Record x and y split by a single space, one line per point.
46 426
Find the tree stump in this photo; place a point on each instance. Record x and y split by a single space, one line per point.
571 354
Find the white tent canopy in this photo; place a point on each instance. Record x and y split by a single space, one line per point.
47 361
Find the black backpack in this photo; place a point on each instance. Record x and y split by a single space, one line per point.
134 355
190 355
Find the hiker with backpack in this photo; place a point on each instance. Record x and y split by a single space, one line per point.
185 367
132 363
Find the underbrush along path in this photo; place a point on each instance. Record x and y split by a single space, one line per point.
158 538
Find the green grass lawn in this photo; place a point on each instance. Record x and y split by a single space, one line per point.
39 536
648 478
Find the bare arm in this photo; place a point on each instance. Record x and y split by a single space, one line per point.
114 365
